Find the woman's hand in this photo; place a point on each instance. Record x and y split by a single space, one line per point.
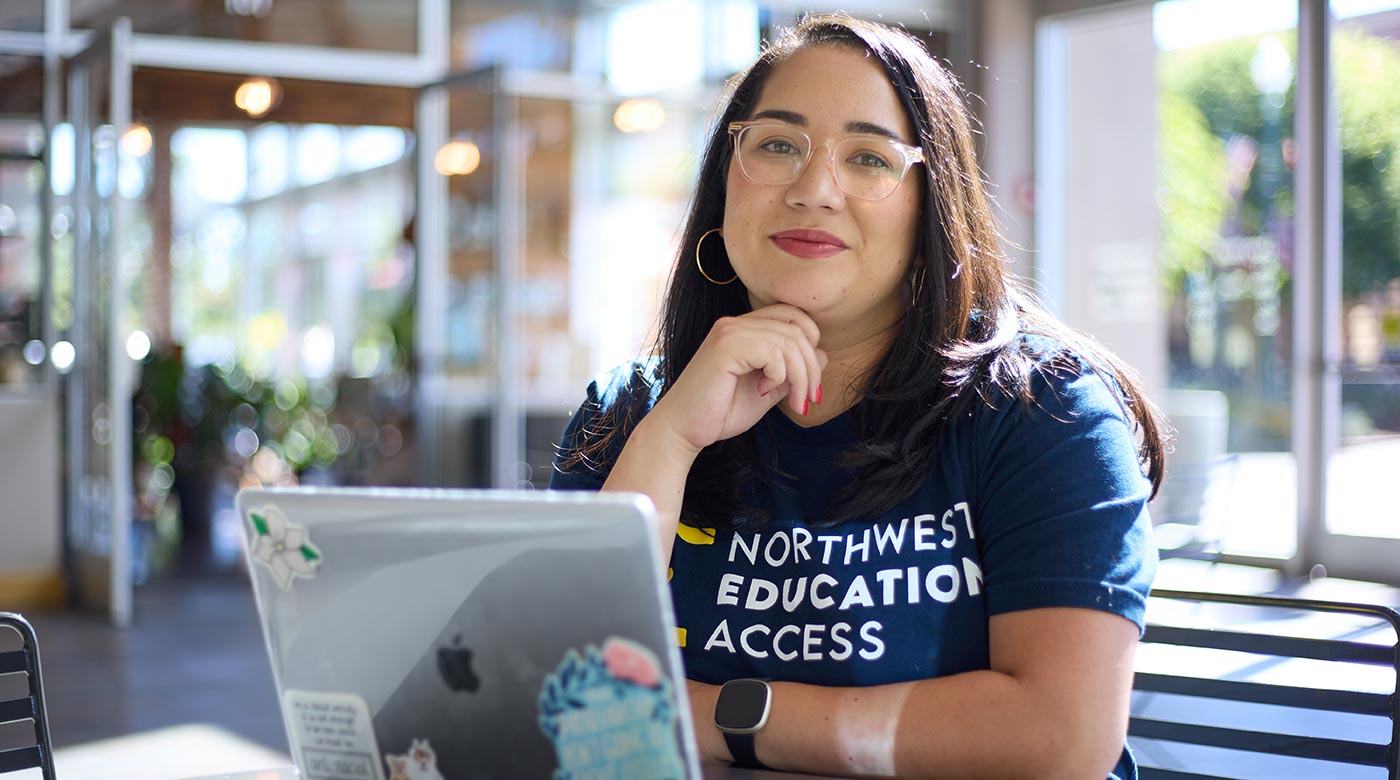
745 366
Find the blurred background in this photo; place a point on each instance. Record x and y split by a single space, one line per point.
388 242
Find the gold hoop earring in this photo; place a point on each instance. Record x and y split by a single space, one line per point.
700 243
916 283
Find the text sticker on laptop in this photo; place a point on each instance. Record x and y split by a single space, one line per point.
333 734
611 713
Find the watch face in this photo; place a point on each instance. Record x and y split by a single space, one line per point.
742 705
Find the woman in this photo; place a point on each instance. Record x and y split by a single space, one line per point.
888 483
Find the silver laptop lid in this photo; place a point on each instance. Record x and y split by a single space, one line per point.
431 634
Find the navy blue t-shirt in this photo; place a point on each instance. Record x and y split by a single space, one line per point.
1029 505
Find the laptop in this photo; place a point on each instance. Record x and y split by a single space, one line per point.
451 634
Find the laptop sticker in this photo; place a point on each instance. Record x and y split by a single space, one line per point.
419 763
283 547
611 714
334 735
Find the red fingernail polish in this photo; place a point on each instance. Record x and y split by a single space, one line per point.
804 407
764 395
819 395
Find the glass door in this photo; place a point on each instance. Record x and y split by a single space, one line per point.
1226 167
29 409
468 263
1360 326
547 218
1277 258
98 386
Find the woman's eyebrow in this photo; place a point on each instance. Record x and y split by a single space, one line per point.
863 128
791 117
870 128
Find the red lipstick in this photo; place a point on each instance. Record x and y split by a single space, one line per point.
808 243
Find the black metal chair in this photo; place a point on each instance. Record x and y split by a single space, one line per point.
1246 687
22 702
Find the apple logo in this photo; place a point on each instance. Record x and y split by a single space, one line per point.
455 666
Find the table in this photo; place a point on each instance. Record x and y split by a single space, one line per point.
711 772
715 772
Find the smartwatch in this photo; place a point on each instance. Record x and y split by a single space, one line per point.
741 710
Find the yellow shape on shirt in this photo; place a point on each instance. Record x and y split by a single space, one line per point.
694 535
680 637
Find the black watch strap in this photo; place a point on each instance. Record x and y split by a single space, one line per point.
742 749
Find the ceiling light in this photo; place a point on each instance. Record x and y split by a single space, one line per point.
457 158
136 141
257 96
639 115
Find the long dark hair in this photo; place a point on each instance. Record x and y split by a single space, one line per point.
958 344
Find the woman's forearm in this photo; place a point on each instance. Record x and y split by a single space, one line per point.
655 462
976 724
1055 705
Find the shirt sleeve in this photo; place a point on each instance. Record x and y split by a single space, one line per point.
573 469
1064 519
580 463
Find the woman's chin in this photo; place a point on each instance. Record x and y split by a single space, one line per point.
809 299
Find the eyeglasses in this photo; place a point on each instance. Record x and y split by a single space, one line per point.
866 167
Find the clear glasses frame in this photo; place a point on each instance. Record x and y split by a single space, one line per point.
874 184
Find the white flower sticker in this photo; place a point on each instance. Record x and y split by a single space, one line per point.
283 547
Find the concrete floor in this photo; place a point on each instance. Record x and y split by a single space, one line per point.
194 654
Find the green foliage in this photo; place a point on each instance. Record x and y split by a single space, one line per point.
1216 79
1368 103
1216 82
203 408
1193 197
